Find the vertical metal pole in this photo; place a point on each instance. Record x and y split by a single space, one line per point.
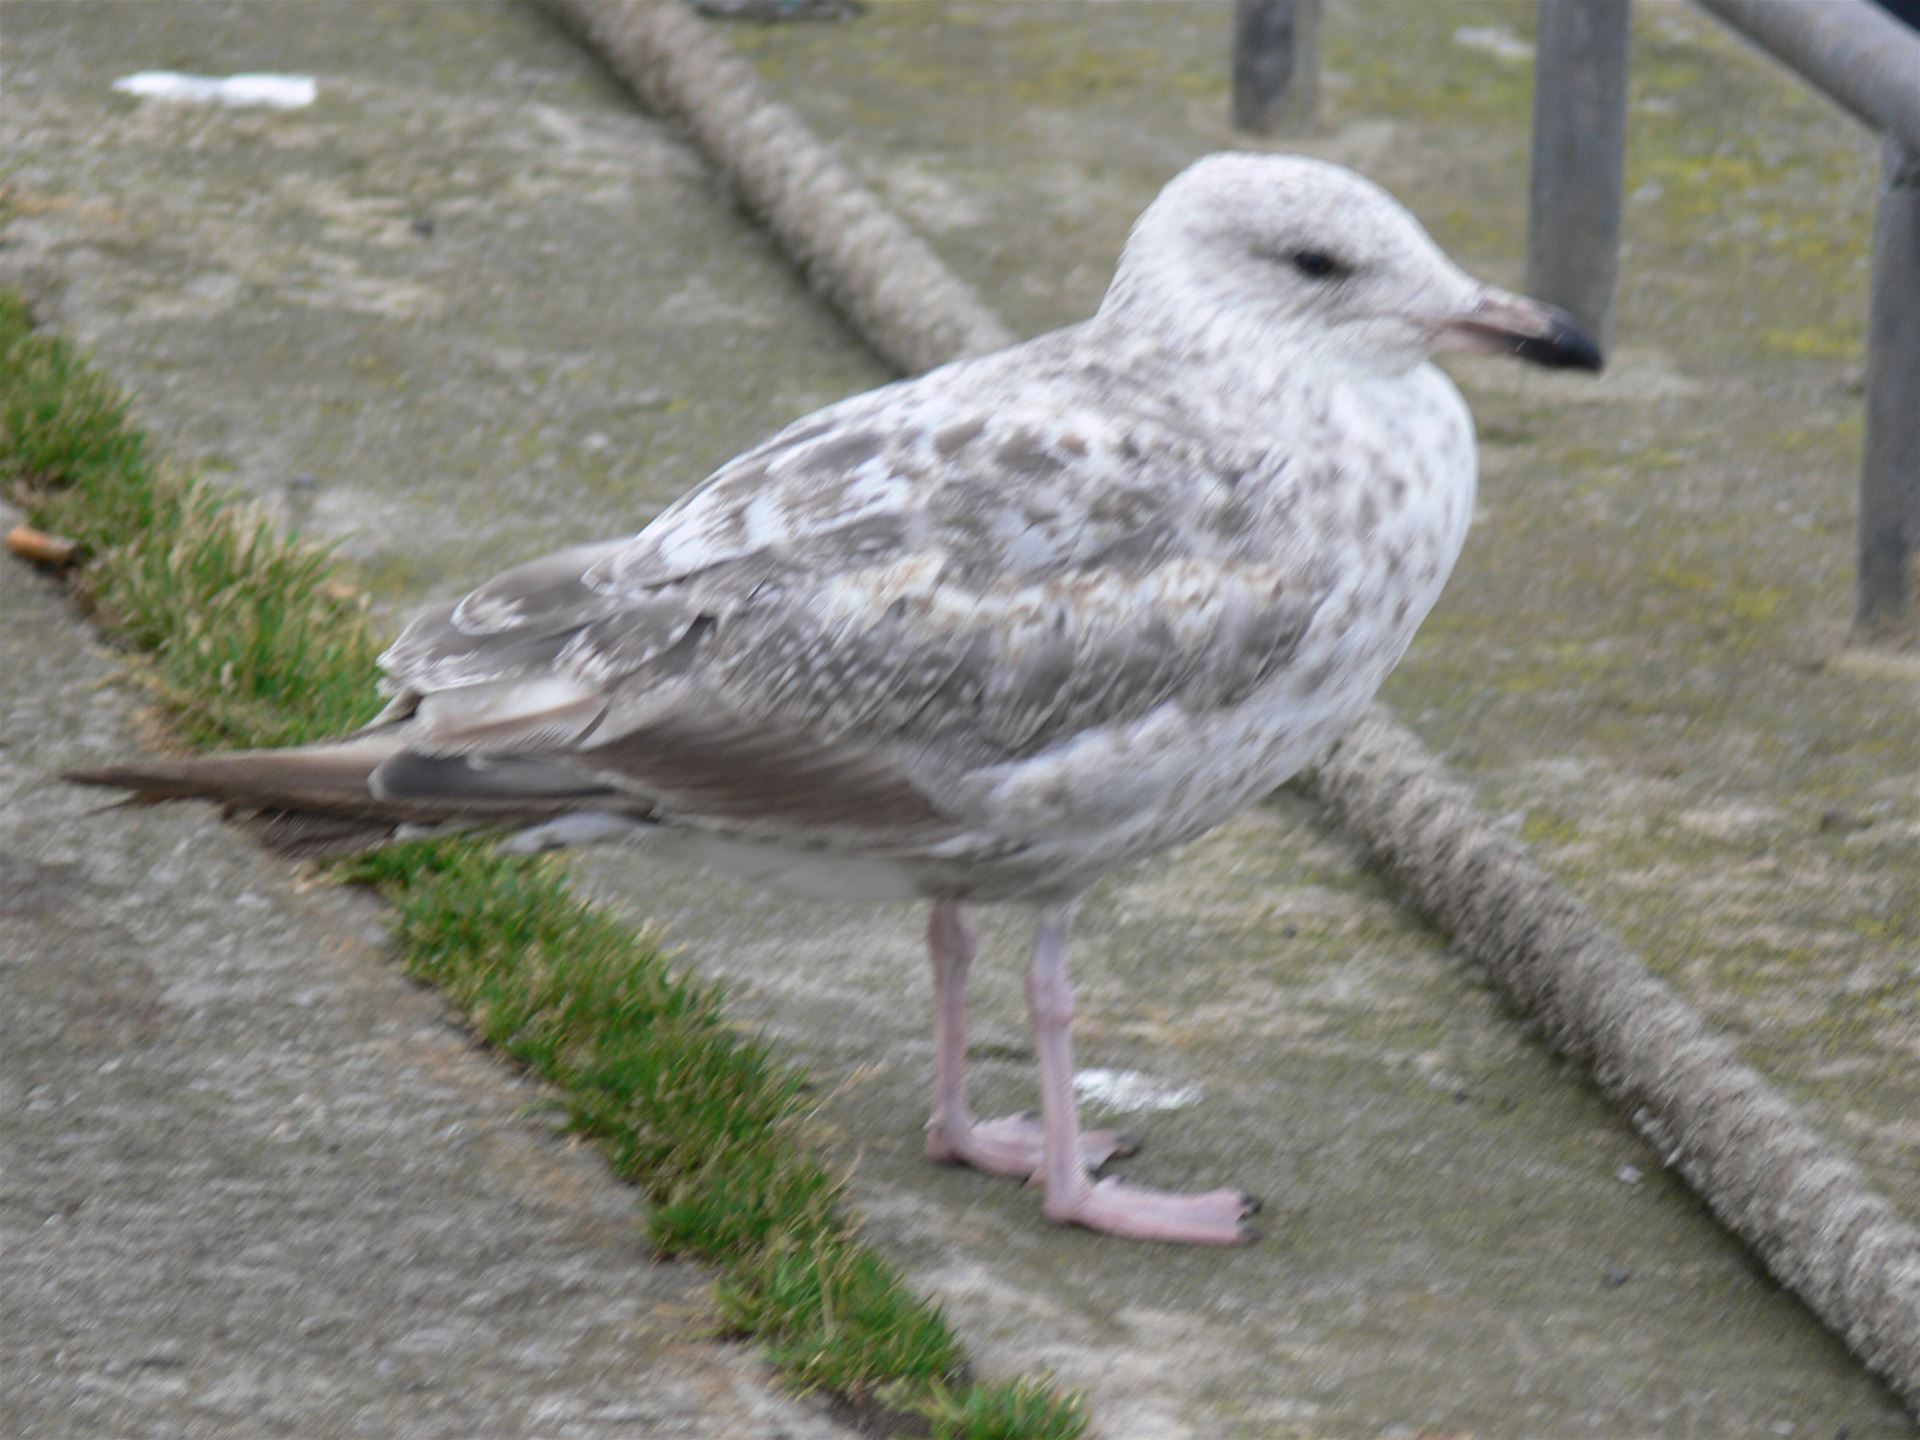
1885 606
1276 65
1579 147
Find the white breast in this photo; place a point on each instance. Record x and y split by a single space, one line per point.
1121 792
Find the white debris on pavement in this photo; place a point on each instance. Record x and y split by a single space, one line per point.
1128 1090
278 92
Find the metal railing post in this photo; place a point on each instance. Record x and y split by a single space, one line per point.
1276 65
1867 62
1885 606
1579 148
1852 51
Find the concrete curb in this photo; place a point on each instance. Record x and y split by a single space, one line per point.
261 1183
1809 1212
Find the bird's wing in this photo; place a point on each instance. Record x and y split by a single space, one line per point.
885 596
857 705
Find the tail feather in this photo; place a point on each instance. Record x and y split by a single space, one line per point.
329 779
311 801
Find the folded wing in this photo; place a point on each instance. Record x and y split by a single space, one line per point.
827 639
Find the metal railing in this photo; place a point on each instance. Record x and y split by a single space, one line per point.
1866 62
1853 52
1276 64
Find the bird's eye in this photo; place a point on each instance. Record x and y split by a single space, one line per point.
1318 265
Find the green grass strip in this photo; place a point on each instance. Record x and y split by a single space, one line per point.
244 639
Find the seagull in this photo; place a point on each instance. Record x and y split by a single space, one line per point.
984 635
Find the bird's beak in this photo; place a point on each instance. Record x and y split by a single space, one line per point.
1502 324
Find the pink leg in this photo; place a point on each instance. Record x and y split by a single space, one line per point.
1073 1196
1011 1145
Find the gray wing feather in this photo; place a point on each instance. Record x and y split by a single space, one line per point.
1002 672
883 597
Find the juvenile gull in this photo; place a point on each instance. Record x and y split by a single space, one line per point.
986 634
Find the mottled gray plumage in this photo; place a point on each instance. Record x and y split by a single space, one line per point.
868 630
990 632
1027 617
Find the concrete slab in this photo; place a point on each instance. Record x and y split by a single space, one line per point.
1462 1238
258 1183
469 265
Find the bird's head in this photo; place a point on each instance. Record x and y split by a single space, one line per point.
1312 262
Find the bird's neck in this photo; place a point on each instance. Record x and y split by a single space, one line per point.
1242 368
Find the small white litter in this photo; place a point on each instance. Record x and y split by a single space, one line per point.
1129 1090
277 92
1495 40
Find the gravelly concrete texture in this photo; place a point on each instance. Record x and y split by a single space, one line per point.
1461 1237
256 1182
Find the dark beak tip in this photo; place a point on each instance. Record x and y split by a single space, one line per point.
1565 346
1579 350
1533 331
